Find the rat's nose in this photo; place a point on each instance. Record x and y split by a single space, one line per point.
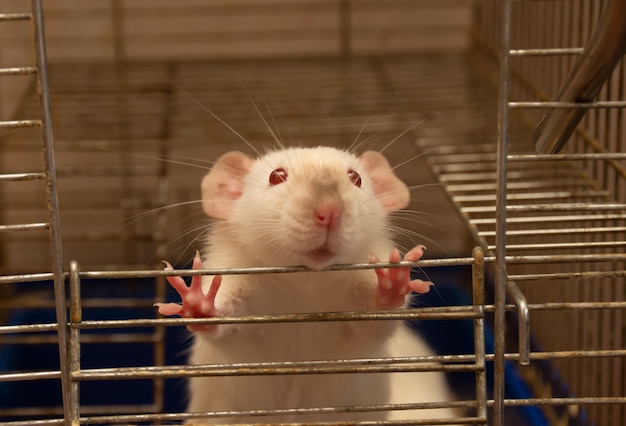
328 212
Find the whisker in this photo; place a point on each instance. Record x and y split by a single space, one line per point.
215 116
129 220
353 146
428 151
424 185
414 235
409 215
267 125
371 138
168 160
201 231
418 123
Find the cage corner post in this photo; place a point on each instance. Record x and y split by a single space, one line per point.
53 210
501 183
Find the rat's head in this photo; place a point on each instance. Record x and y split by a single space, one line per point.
304 206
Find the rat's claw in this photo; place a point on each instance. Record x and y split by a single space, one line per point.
420 286
169 309
415 253
395 283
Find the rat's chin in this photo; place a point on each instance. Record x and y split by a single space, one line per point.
319 258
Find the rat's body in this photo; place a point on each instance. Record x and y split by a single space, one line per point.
312 207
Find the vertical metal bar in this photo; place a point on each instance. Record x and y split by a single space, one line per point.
76 317
523 321
53 208
478 292
501 278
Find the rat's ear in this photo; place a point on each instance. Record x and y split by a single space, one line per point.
391 192
223 185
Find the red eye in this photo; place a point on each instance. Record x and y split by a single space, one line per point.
278 176
354 177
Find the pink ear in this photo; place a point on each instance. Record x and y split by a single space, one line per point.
223 185
390 191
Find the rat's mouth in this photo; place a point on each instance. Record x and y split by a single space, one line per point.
321 254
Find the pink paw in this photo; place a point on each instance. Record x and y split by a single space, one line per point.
395 283
195 304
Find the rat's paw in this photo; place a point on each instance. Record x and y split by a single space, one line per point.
195 304
395 283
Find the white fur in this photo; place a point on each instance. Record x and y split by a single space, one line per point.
264 225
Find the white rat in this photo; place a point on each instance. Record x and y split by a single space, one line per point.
313 207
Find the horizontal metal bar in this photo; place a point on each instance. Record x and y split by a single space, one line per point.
331 366
518 175
546 52
563 306
17 71
48 413
558 231
169 417
17 177
116 274
272 270
559 306
236 271
49 422
566 401
566 258
554 207
548 355
569 246
36 375
532 196
567 105
262 369
25 278
567 157
14 124
548 219
24 227
449 312
569 207
27 328
568 275
514 186
15 16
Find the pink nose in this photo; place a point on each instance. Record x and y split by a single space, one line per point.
328 212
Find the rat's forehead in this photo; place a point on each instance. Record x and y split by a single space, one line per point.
294 158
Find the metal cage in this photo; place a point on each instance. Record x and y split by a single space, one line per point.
467 121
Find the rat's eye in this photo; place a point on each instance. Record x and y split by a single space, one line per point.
278 176
354 177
